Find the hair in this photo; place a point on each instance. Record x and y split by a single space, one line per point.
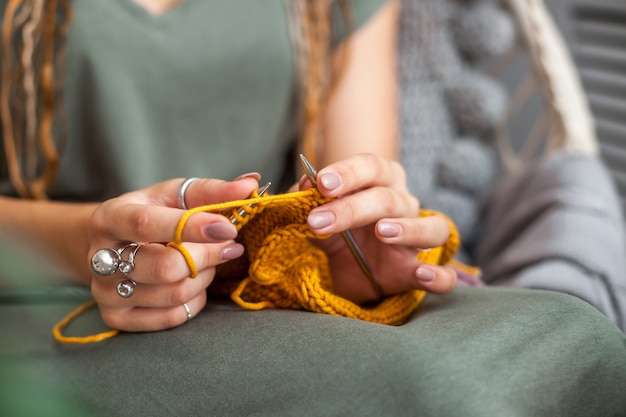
34 38
33 42
312 38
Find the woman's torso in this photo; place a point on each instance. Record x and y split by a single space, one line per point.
204 89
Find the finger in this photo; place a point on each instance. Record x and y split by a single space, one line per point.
421 232
362 208
358 172
432 278
141 319
152 295
435 278
200 192
149 215
161 264
117 220
207 191
158 264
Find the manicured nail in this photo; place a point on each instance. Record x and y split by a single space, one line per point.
321 219
330 180
254 175
388 229
232 251
220 231
425 275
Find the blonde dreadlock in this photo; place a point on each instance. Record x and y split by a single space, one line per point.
34 34
29 92
311 34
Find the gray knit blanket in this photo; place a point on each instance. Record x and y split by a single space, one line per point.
557 225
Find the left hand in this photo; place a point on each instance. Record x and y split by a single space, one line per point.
376 206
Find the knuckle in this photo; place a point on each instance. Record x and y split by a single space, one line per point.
97 289
375 164
442 229
398 170
388 200
414 203
348 171
112 319
177 294
419 228
171 319
212 255
450 277
162 268
140 222
431 231
371 159
347 210
97 221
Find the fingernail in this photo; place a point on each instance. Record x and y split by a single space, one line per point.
254 175
220 231
425 275
330 180
388 229
232 252
321 220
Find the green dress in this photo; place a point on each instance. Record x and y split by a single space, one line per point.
207 90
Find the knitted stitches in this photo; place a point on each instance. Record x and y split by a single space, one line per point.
286 270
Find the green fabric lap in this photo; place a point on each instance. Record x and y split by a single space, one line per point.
475 352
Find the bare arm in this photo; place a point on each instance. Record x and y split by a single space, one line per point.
362 113
52 231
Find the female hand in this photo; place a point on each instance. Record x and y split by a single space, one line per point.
377 208
163 295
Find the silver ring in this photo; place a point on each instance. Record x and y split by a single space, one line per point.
182 190
106 261
127 266
126 288
188 312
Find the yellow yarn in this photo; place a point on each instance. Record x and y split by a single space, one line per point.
285 269
56 331
288 271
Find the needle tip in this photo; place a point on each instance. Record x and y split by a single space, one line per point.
310 172
263 189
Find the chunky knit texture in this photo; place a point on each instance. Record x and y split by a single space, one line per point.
286 270
449 105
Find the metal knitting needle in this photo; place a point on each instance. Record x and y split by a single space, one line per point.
357 254
241 211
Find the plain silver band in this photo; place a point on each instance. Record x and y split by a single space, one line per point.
182 190
188 312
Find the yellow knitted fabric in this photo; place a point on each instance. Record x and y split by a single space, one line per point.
284 268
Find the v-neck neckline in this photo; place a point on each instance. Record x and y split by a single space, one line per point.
143 12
